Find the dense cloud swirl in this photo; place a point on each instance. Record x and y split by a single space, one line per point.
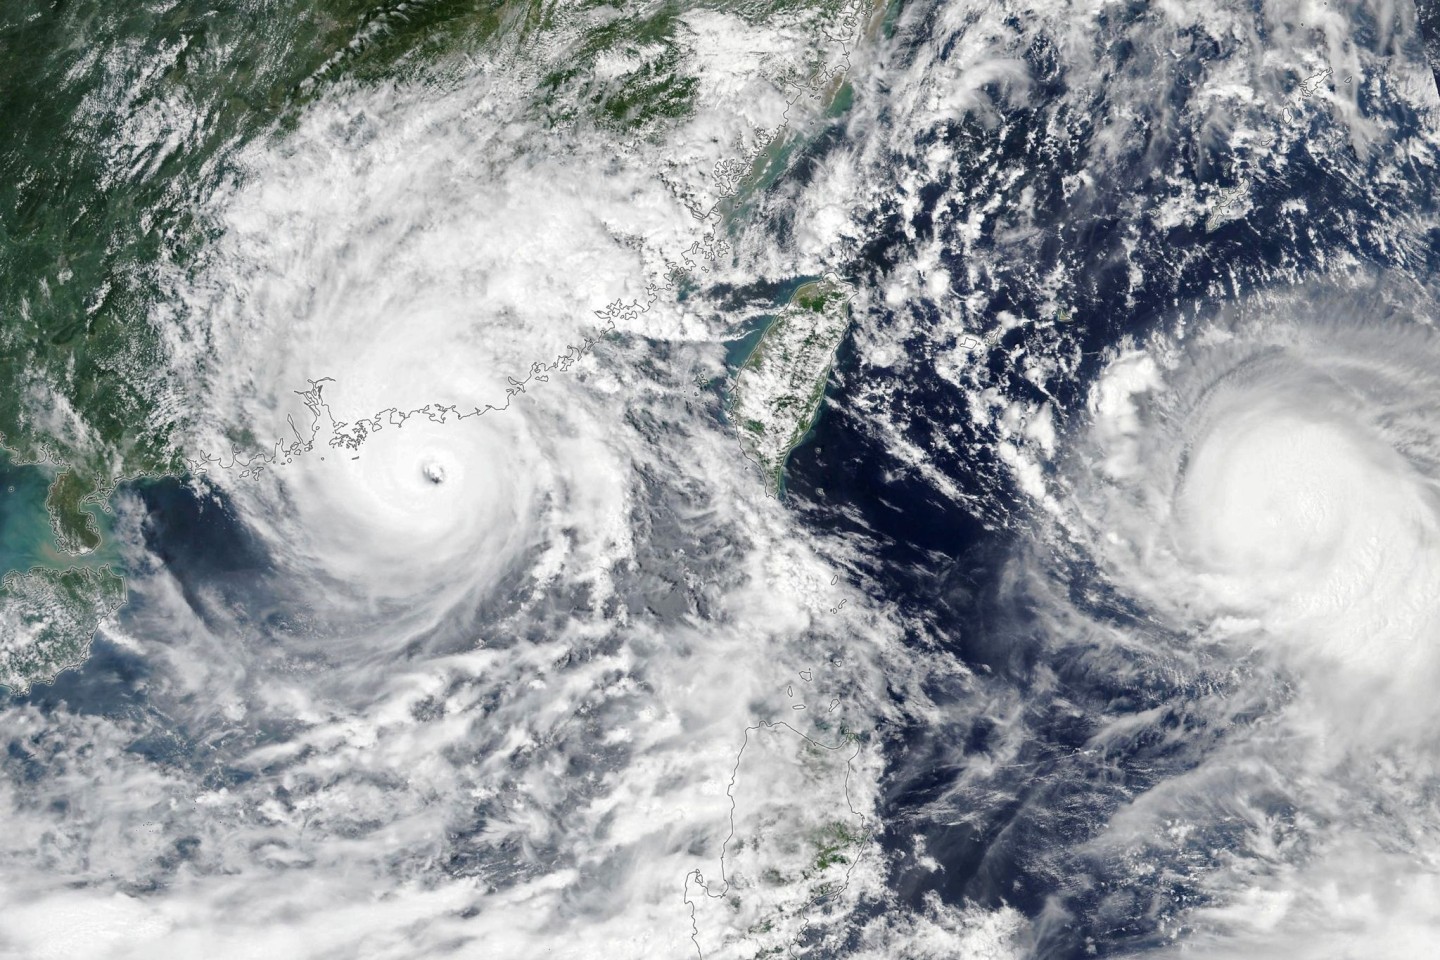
1094 614
1256 485
1269 481
390 338
457 637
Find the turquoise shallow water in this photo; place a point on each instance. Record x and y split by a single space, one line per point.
26 539
25 536
780 293
117 122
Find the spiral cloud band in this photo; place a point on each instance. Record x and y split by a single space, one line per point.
1258 486
1285 474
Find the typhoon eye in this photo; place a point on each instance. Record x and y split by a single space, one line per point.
434 471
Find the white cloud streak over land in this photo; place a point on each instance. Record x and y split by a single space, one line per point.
483 689
480 693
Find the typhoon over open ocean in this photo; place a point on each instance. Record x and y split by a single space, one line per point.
837 478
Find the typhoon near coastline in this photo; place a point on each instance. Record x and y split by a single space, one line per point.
788 478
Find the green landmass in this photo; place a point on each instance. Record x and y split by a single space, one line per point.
90 196
655 87
47 620
831 843
75 529
795 838
117 121
779 387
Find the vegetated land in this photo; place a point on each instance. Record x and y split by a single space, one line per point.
779 387
118 122
47 618
794 840
115 122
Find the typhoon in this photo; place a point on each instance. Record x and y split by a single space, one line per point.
1259 487
835 479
